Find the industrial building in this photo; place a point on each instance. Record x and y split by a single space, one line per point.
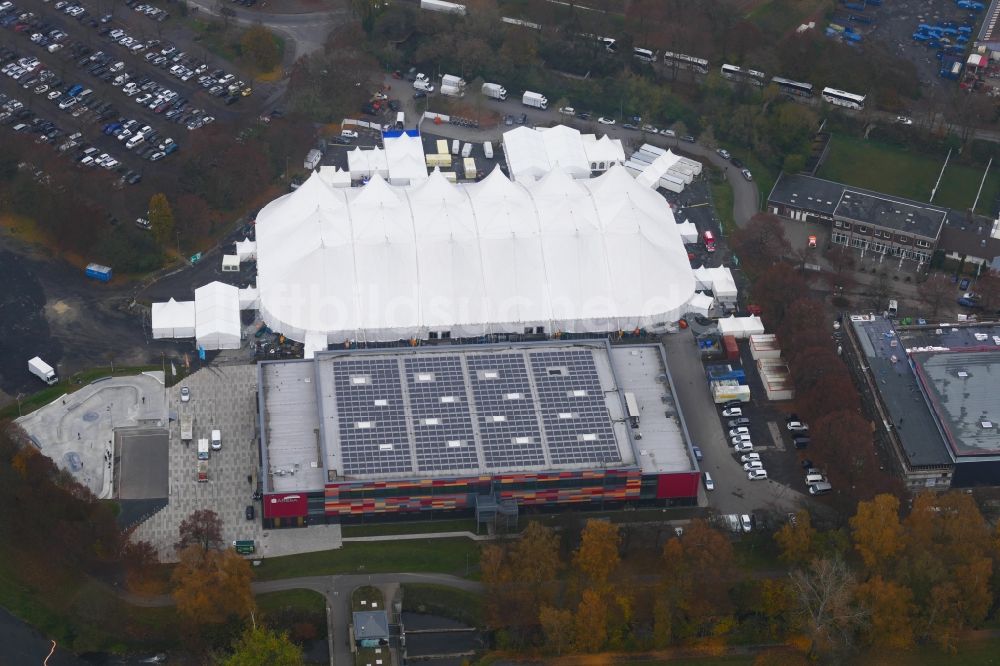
934 391
362 435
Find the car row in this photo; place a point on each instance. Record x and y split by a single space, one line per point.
150 11
741 440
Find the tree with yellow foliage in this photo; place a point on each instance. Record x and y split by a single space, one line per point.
877 532
212 587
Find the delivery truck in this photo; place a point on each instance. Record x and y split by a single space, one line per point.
203 449
187 427
42 370
202 471
452 80
452 91
536 100
495 91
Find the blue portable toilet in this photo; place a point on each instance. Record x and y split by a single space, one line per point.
99 272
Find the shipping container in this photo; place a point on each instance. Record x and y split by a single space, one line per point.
99 272
732 349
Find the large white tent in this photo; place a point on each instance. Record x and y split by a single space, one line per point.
217 316
382 263
173 319
532 153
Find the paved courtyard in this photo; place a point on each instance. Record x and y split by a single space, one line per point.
224 398
75 431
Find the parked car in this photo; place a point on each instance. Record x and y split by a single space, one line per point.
709 483
723 153
757 474
697 452
743 447
797 426
606 121
750 457
746 174
732 411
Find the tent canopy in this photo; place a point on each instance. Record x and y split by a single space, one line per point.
382 262
173 319
217 312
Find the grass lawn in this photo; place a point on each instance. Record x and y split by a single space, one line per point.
225 43
971 652
415 527
307 601
445 601
412 555
722 199
367 598
778 17
893 170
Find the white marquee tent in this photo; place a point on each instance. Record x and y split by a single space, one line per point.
217 315
741 327
382 263
173 319
533 153
720 280
246 249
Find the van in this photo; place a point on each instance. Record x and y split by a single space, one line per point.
820 488
467 150
800 442
455 147
814 478
203 453
216 440
400 119
488 149
134 141
709 239
893 307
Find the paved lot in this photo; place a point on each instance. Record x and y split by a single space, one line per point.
224 398
143 470
76 431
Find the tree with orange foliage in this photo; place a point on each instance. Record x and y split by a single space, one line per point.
142 568
892 613
557 625
877 532
212 587
591 622
597 558
797 540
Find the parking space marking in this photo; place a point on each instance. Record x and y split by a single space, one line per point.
775 431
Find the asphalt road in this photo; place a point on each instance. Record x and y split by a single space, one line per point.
23 644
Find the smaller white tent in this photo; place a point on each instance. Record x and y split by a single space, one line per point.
404 156
246 249
719 280
313 343
217 316
701 304
230 263
688 231
334 176
249 298
173 319
367 163
741 327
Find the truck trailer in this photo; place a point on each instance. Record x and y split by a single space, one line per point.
495 91
452 91
42 370
452 80
536 100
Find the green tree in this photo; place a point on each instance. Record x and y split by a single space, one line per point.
259 645
367 11
161 218
261 46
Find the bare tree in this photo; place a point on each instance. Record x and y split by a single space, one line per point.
934 291
826 603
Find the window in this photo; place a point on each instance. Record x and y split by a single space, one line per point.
836 223
921 243
878 248
862 230
847 226
840 238
902 239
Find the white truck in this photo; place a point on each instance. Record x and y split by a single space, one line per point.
452 80
42 370
203 452
216 440
536 100
187 427
452 91
495 91
488 149
423 84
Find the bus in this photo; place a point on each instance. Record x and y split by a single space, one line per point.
845 99
752 76
793 88
645 55
683 61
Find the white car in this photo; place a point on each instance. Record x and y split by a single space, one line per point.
733 432
732 411
739 439
903 120
709 483
750 457
349 134
723 153
753 464
143 98
208 119
185 394
606 121
746 174
757 474
745 523
567 111
797 426
743 447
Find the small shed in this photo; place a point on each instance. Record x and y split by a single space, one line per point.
371 627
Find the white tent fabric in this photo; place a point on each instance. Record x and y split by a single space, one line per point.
313 343
650 176
335 177
217 316
381 263
741 327
533 153
688 231
173 319
246 249
719 280
701 304
404 156
367 163
230 262
249 298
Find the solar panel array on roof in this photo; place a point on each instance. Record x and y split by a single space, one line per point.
371 416
439 411
506 410
442 423
573 410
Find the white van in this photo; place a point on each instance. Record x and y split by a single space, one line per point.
467 150
488 149
216 440
814 478
203 449
400 120
893 307
455 146
820 488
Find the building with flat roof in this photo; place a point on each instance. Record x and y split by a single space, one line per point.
859 218
934 390
989 31
383 433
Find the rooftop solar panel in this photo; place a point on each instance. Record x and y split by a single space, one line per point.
371 416
577 425
444 437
